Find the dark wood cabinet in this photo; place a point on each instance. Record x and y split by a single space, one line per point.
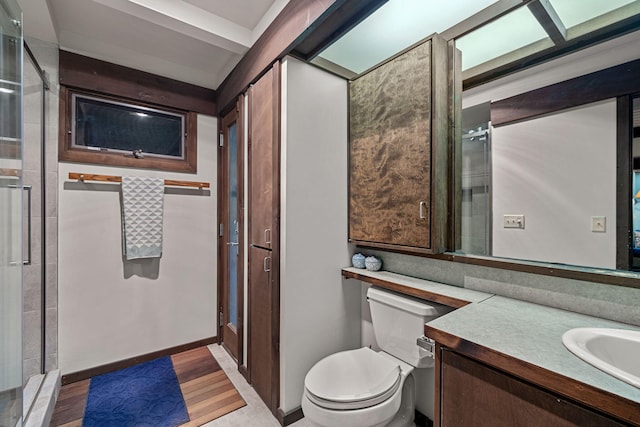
263 137
263 215
399 151
474 394
261 357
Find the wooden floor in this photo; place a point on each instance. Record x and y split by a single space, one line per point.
207 391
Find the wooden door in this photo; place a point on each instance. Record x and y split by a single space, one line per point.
260 331
263 113
231 250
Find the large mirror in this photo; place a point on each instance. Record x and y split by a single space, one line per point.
544 189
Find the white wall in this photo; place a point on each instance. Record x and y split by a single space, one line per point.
559 171
320 312
109 311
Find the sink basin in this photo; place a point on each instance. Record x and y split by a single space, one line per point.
614 351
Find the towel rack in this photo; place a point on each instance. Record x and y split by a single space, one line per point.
111 178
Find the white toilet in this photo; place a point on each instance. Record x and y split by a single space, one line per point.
364 388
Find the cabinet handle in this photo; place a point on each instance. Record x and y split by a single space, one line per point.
267 260
267 236
423 207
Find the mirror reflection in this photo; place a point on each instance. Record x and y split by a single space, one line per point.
552 196
548 188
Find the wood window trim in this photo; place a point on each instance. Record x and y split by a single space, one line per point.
67 153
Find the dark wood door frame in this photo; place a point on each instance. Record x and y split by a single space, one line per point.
237 116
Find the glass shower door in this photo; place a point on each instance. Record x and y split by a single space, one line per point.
11 256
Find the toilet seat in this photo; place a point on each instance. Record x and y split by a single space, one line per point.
353 379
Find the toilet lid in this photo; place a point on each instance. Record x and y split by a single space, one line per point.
353 376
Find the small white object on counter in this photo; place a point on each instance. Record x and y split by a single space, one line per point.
358 260
372 263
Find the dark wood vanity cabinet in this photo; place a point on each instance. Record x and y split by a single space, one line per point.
474 394
399 151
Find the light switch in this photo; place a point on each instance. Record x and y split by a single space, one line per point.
514 221
599 224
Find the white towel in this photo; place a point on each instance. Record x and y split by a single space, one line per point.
142 206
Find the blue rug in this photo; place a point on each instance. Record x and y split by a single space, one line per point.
144 395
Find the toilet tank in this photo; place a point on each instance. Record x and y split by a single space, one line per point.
398 321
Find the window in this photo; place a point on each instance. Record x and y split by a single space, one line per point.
117 131
114 126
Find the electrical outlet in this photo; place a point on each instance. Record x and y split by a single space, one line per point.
599 224
514 221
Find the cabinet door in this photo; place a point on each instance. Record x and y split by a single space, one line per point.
260 351
473 394
398 150
263 136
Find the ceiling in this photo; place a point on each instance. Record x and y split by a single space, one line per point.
194 41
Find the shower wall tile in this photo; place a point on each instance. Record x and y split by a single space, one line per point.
30 367
45 52
51 338
51 193
30 77
51 147
36 241
52 240
31 335
32 98
51 362
32 145
31 288
51 275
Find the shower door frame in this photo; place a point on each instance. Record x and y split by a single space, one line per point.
11 176
45 86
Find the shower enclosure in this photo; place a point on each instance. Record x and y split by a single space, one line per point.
476 180
11 202
23 213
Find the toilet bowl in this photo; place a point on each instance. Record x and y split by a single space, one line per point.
359 388
365 388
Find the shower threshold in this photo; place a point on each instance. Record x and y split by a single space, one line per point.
40 395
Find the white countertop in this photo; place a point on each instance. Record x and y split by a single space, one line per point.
533 333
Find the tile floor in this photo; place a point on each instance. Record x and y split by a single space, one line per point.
255 414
